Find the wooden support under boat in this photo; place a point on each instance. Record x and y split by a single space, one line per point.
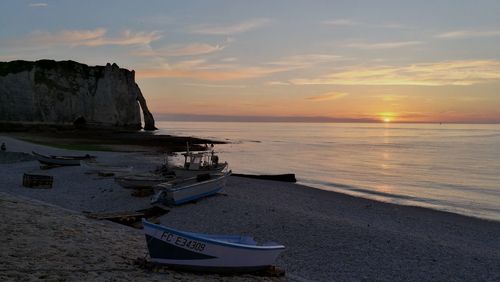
270 271
130 218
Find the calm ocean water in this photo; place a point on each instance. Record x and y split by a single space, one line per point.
449 167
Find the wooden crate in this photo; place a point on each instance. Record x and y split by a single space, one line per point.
37 181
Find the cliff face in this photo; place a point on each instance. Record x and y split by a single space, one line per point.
67 92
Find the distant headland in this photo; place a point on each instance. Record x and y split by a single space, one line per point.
70 94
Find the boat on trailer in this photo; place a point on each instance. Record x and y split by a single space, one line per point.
60 160
180 191
204 252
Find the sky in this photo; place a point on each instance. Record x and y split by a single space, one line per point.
311 60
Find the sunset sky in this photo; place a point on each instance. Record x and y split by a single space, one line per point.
418 61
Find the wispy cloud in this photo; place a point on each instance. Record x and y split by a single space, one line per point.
183 50
384 45
127 37
354 23
278 83
228 69
211 75
464 34
229 59
327 96
96 37
38 5
427 74
306 60
229 29
341 22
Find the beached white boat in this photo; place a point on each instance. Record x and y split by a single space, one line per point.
60 160
180 191
208 252
141 180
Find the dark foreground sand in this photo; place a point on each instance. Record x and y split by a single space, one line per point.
329 236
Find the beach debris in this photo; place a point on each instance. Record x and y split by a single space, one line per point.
143 192
130 218
287 177
37 181
105 174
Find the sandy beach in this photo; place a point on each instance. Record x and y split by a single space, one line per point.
329 236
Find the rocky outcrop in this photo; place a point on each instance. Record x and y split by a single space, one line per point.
67 93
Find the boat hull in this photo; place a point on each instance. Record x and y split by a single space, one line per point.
184 172
135 183
51 160
199 252
190 191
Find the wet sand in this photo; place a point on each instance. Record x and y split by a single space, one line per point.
329 236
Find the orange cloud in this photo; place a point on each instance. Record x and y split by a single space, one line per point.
428 74
384 45
327 96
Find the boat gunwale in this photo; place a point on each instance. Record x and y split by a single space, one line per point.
174 188
193 236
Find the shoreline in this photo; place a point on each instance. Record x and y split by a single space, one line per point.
111 140
328 235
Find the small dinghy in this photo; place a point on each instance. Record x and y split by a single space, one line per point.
180 191
203 252
60 160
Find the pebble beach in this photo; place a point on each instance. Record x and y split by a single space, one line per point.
328 236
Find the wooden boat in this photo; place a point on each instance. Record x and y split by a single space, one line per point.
181 191
60 160
141 180
205 252
95 167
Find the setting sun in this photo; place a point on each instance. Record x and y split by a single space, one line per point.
387 116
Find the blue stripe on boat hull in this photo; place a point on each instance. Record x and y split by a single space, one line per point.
199 196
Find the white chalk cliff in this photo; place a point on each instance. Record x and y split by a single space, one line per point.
67 92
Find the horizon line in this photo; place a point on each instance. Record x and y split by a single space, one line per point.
299 119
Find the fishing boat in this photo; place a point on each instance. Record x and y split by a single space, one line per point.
199 162
60 160
139 181
180 191
204 252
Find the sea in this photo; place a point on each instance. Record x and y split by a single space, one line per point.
448 167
